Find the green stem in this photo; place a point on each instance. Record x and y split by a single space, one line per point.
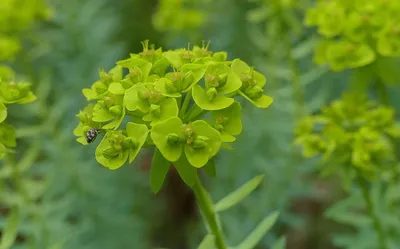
194 112
185 104
207 209
370 208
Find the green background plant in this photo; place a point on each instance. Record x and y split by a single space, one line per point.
73 202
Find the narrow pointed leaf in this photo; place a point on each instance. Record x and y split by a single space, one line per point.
158 171
208 242
187 172
259 232
238 195
10 231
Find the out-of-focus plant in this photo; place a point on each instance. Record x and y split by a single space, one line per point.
161 97
354 136
12 91
178 15
356 33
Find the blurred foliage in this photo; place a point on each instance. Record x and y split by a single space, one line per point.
55 195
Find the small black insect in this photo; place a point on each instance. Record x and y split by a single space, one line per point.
91 135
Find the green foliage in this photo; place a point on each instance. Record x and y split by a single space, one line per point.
356 34
155 95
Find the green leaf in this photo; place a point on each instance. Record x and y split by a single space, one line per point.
159 134
259 232
139 132
158 171
10 231
263 102
187 173
239 194
132 100
201 99
208 242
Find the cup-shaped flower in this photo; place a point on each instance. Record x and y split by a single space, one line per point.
164 110
198 140
179 57
180 81
101 86
139 69
117 146
252 84
219 81
86 123
109 109
141 97
16 93
228 122
345 54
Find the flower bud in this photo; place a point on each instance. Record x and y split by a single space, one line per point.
254 92
222 79
110 153
200 142
211 93
173 139
115 110
108 101
23 88
129 143
219 127
212 80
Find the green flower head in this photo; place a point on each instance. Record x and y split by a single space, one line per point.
117 146
228 122
86 123
198 140
252 84
16 93
219 80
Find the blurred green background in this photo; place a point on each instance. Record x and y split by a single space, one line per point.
70 201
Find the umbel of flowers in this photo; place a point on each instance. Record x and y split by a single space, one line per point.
162 98
352 131
355 32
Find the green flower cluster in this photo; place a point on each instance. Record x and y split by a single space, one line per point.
178 15
13 22
11 93
351 131
356 32
161 96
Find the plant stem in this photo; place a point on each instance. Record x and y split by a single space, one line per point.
207 209
382 92
370 208
185 104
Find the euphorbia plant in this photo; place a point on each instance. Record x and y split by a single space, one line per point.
183 102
